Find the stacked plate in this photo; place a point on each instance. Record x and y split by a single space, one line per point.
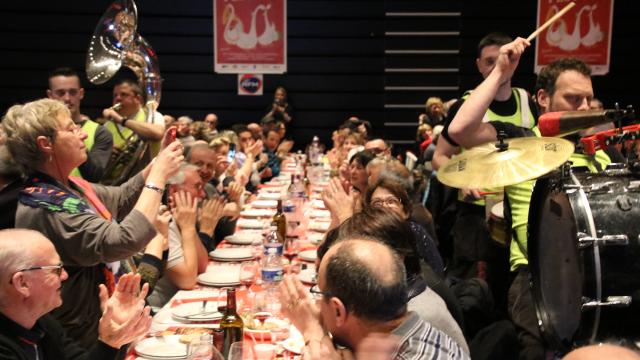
166 347
318 204
269 195
308 255
319 225
264 204
250 223
257 213
308 276
220 275
232 254
322 214
250 237
315 238
194 311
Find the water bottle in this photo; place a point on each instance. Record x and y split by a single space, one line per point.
273 240
314 151
272 271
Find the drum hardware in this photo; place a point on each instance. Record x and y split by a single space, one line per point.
507 162
585 241
611 301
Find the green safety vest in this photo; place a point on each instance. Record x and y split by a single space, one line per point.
90 127
119 141
521 117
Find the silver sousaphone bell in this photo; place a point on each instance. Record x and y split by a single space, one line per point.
116 42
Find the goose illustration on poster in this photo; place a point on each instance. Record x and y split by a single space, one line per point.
249 36
584 32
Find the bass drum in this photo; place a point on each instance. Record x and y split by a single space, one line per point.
584 252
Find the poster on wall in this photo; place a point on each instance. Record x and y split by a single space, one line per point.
250 36
250 84
584 33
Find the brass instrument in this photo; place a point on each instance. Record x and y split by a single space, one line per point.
116 42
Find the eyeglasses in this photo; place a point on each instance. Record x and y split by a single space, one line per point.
317 294
61 92
74 129
57 269
390 202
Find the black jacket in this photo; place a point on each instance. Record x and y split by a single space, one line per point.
49 337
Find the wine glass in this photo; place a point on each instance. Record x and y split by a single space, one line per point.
248 274
291 249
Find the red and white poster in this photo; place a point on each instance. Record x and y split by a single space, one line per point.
250 36
584 33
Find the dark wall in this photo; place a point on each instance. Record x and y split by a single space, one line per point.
336 57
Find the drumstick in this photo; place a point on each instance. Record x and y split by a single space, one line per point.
553 19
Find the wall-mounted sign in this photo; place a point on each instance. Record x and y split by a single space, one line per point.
250 84
584 33
250 36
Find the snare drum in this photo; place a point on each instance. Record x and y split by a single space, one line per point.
584 256
498 225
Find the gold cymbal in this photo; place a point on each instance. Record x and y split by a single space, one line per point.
485 166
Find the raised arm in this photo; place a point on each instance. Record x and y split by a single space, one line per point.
467 128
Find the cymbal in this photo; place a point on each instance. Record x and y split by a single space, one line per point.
485 166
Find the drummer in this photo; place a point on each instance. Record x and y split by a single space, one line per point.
473 249
563 85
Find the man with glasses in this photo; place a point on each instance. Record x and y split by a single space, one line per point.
379 147
31 275
362 292
64 85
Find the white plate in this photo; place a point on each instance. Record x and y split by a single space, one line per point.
318 204
166 347
264 204
220 275
308 255
321 226
315 238
250 223
232 254
245 238
269 196
308 276
193 311
256 213
316 213
294 344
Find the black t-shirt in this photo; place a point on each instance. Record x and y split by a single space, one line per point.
502 108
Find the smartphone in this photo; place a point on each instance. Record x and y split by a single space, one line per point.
232 152
170 137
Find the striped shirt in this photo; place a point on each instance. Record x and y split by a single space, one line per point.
420 340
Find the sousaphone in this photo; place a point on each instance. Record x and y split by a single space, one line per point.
116 42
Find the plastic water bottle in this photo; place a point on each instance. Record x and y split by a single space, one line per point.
272 271
273 240
314 151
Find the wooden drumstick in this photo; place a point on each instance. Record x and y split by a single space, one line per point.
548 23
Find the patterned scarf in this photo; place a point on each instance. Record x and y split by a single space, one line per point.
43 191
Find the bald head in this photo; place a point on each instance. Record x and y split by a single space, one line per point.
602 351
19 249
367 276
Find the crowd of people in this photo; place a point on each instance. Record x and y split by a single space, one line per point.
407 270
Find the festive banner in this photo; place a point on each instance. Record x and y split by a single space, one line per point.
250 36
584 33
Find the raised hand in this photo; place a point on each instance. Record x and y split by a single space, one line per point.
185 210
210 214
234 191
337 201
510 57
168 161
125 299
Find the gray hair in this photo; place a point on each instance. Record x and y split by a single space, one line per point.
178 178
15 254
23 124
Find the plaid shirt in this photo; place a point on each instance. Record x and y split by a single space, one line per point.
420 340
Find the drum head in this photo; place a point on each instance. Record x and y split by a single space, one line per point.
555 263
